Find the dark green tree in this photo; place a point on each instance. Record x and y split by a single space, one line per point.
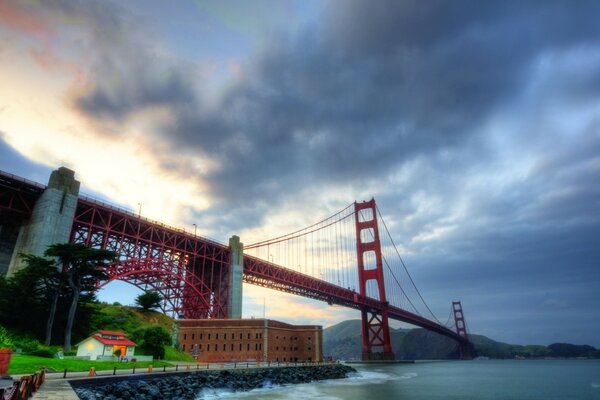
24 297
154 339
148 300
81 267
46 280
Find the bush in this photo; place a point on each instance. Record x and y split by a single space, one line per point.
6 340
26 344
43 351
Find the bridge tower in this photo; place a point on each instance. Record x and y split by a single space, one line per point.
375 325
466 349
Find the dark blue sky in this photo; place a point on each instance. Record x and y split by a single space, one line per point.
475 125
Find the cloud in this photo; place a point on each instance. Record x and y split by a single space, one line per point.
371 89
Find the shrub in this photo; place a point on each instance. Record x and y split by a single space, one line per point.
6 340
26 344
43 351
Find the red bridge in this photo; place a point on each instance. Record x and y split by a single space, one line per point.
341 260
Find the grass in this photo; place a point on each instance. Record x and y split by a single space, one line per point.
172 354
24 364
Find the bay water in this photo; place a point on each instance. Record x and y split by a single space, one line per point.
448 380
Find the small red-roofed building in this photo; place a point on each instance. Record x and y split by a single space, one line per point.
104 344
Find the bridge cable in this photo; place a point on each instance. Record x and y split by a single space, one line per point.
404 265
305 230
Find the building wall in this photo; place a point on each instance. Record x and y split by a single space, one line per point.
90 347
250 340
94 348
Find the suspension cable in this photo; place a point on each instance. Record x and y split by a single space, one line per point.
282 237
404 265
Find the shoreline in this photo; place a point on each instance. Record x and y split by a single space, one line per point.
190 385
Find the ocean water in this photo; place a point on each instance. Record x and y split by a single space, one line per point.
460 380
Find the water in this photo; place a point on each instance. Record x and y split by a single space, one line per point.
460 380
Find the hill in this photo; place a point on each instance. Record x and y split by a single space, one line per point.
131 320
127 319
343 341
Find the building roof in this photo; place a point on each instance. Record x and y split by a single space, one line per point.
113 342
112 333
109 342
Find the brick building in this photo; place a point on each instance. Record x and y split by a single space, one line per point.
224 340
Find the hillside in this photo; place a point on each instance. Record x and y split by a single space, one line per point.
127 319
343 341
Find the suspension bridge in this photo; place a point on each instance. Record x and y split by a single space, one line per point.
348 259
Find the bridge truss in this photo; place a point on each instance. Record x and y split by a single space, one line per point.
340 260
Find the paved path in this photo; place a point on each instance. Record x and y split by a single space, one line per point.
56 390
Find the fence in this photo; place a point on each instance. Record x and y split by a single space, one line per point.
24 388
66 374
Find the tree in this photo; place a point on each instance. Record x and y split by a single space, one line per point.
81 268
148 300
47 278
24 297
154 339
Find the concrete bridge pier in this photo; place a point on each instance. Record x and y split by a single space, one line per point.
51 218
234 308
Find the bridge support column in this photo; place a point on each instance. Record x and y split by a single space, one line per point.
466 349
375 325
234 305
51 219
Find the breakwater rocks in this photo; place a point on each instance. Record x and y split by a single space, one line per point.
191 385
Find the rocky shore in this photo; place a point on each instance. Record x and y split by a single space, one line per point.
191 385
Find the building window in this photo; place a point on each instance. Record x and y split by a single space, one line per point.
240 347
217 336
248 347
200 347
248 335
200 336
193 336
260 346
277 348
209 336
231 346
240 336
284 350
208 347
184 336
310 348
224 347
183 348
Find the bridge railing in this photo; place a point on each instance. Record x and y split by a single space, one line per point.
131 213
22 180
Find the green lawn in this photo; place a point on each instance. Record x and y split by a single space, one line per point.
172 354
24 364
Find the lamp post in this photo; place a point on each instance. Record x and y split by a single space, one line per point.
195 228
140 210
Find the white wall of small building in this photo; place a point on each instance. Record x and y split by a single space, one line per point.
94 348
